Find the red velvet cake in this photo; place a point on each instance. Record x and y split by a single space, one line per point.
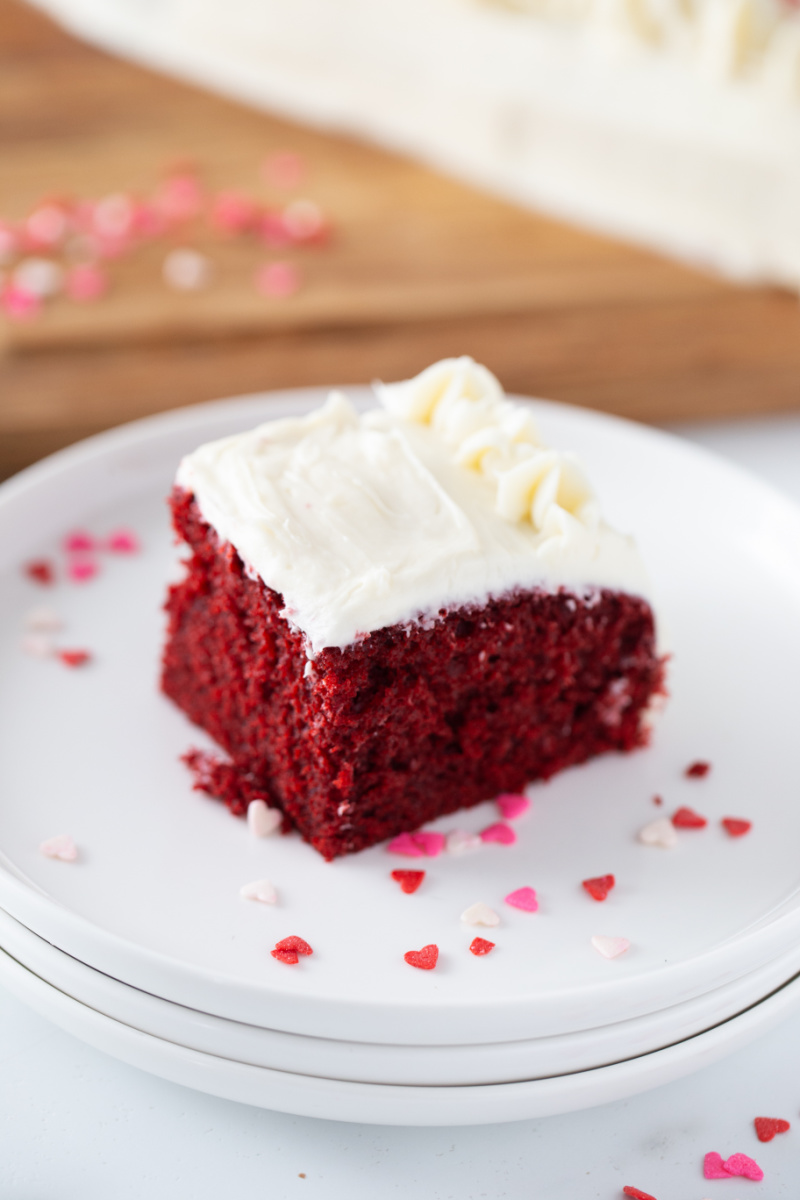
392 616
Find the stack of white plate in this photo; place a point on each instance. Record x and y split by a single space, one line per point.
144 947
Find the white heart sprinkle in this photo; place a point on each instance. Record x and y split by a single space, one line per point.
261 820
38 645
659 833
43 620
62 846
462 842
261 890
480 914
610 947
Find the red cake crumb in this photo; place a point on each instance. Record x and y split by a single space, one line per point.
289 949
479 946
736 826
687 818
599 887
637 1194
409 880
425 959
697 770
767 1127
409 723
40 570
657 800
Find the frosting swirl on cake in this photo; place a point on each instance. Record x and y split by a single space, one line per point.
442 497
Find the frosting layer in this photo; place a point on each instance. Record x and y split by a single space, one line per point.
444 496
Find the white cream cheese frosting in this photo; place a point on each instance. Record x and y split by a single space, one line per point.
441 497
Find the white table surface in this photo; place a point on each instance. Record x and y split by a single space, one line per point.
77 1125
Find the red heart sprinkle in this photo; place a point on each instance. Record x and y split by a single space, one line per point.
697 770
736 826
41 571
409 880
687 818
478 946
767 1127
74 658
285 956
289 949
425 959
599 887
637 1193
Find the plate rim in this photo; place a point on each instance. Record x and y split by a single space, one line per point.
81 936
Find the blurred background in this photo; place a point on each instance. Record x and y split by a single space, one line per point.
600 199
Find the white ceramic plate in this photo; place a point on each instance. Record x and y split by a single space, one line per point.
154 899
376 1104
362 1062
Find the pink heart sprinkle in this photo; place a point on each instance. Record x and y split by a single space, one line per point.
431 844
501 833
78 542
512 805
278 279
123 541
61 846
713 1166
524 898
85 282
19 304
741 1164
81 569
405 844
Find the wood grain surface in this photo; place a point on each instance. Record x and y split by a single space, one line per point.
419 267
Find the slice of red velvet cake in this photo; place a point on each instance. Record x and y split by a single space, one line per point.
391 616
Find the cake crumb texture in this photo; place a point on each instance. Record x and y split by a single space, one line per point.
409 723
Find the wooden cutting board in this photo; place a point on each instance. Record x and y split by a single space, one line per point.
418 267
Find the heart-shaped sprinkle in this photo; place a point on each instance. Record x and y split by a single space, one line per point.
744 1166
736 826
43 620
767 1127
260 889
460 841
480 914
431 844
409 880
82 567
74 658
479 946
637 1194
40 571
659 833
599 887
713 1167
610 947
289 949
123 541
512 804
524 898
500 832
425 959
78 542
687 818
38 645
697 770
262 820
61 846
405 844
